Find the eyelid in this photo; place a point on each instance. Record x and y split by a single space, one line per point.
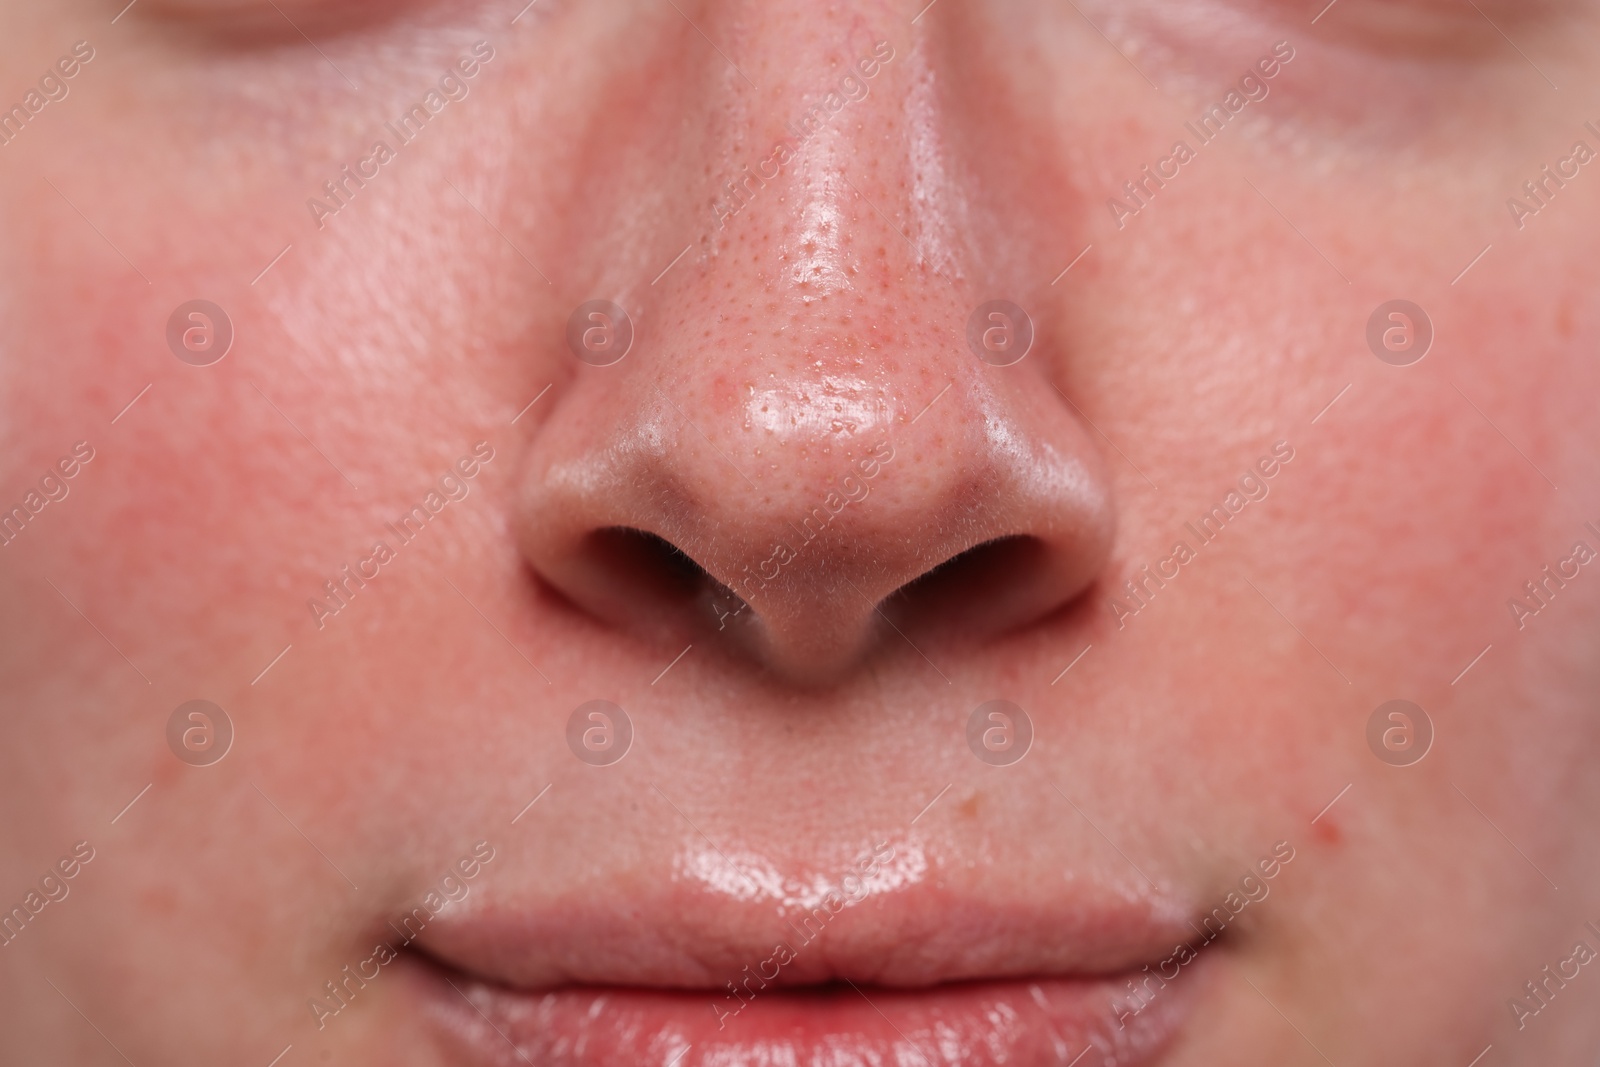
1374 79
1435 29
268 21
1422 31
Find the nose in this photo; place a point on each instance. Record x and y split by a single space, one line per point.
820 442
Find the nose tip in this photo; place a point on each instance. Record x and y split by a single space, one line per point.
810 515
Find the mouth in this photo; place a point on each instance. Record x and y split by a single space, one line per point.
918 976
1066 1021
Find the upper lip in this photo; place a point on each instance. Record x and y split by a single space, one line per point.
676 933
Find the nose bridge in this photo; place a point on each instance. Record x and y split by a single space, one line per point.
823 112
825 127
813 323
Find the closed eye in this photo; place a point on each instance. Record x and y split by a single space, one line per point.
274 21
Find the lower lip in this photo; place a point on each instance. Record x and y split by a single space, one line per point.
1070 1021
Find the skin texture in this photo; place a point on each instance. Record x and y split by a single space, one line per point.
791 337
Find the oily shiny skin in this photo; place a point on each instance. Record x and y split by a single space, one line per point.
788 339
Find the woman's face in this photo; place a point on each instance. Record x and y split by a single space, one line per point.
725 533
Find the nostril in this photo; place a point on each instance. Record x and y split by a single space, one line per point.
648 563
979 569
975 588
1009 519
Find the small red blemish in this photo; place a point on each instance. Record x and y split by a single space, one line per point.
1327 831
159 901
